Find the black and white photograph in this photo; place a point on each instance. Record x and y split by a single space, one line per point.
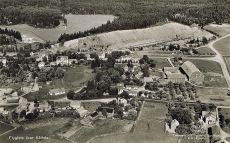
114 71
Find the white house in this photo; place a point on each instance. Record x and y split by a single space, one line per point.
209 117
173 126
57 91
41 65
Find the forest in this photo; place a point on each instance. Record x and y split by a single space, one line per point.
130 14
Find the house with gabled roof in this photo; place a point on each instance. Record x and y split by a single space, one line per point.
192 72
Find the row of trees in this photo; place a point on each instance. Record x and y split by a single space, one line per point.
11 32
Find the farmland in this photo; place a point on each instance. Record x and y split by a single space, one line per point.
227 61
206 65
75 23
222 30
223 46
99 127
48 131
5 127
205 51
152 114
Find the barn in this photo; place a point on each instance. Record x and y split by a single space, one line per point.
192 72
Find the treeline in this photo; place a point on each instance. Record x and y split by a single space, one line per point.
141 14
130 14
42 17
11 32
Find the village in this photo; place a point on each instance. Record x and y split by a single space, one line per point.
133 80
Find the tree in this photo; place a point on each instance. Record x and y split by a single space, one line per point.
125 95
22 113
59 73
70 94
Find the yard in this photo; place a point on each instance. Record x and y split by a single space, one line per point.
223 46
5 127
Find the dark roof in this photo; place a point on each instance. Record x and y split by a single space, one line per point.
94 114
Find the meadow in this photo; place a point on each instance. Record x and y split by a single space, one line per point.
222 30
48 131
227 61
223 46
149 128
75 23
5 127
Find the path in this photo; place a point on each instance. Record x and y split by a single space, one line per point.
170 62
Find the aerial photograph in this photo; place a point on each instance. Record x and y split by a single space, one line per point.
114 71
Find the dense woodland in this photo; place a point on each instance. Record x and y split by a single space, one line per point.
130 14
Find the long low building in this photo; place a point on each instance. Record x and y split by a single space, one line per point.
192 72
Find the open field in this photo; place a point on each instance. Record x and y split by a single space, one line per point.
5 127
215 81
126 38
205 51
48 131
75 23
100 127
223 46
150 128
227 61
206 65
161 62
222 30
206 94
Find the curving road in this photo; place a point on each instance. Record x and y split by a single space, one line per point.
218 58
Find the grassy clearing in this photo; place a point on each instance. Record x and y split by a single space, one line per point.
100 127
227 61
161 62
206 94
222 31
48 131
152 110
75 23
205 51
5 127
213 81
149 128
206 65
223 46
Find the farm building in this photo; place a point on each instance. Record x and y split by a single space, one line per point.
209 117
62 60
192 72
173 74
57 91
59 104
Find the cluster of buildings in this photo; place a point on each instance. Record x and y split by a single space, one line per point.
190 73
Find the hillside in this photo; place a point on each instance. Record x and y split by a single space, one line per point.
125 38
